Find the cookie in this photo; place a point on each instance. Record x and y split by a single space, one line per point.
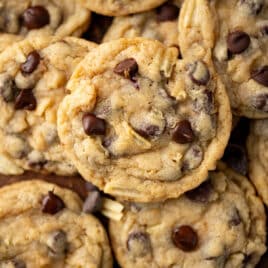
42 226
257 144
33 76
160 24
237 31
8 39
219 224
141 124
121 7
30 17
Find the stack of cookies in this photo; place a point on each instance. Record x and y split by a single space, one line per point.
133 133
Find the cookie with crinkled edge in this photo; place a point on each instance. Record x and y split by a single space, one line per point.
237 31
42 226
120 7
257 145
221 223
33 76
160 24
141 124
37 17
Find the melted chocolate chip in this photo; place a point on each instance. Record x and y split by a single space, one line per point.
52 203
148 131
93 203
201 193
8 89
192 158
235 157
261 103
167 12
93 125
183 132
264 30
235 219
25 100
199 73
90 187
185 238
138 244
255 6
35 17
237 42
261 75
31 63
57 243
18 263
127 68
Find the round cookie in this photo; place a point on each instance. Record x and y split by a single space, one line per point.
33 76
42 226
52 17
120 7
8 39
237 30
141 124
219 224
257 146
160 24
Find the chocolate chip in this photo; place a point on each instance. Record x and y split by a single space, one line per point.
261 75
235 219
202 193
185 238
93 203
167 12
261 103
255 6
90 187
35 17
199 73
235 157
18 263
237 42
127 68
93 125
52 203
183 132
192 158
57 243
264 30
31 63
25 100
8 88
139 244
148 131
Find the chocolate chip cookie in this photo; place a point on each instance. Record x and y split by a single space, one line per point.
141 124
120 7
159 24
221 223
58 17
42 226
237 31
257 146
33 76
8 39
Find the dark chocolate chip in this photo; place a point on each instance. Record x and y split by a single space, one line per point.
90 187
127 68
37 165
255 6
57 243
52 203
31 63
261 103
201 193
148 131
235 157
139 244
235 219
183 132
199 73
192 158
264 30
167 12
93 203
237 42
9 90
185 238
35 17
18 263
93 125
261 75
25 100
